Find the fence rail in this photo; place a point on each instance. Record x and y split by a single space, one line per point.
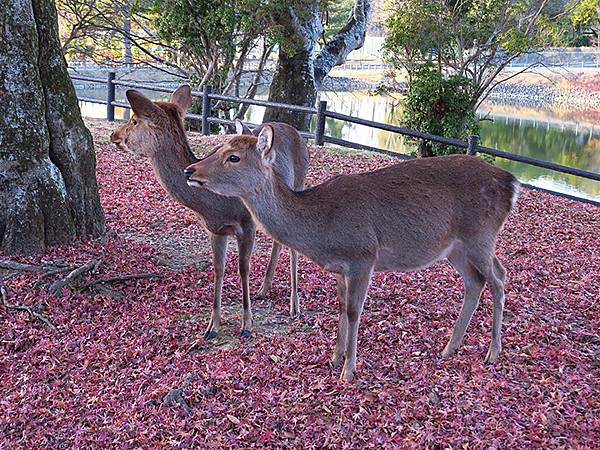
319 135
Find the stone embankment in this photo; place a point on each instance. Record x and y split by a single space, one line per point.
573 98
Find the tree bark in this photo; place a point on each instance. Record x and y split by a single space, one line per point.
48 191
300 70
127 47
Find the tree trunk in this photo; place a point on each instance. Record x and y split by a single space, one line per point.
425 150
48 191
293 83
300 70
127 50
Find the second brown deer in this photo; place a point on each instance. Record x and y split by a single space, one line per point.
156 131
400 218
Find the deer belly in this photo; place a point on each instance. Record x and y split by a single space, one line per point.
401 260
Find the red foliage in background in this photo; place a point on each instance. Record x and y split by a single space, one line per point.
101 380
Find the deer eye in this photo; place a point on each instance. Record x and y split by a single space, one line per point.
233 158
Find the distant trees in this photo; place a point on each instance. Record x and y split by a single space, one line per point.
585 15
454 52
224 43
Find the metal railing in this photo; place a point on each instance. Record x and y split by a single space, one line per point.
472 146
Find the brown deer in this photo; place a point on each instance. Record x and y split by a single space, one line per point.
400 218
156 131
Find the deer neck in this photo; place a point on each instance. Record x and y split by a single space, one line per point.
168 166
289 217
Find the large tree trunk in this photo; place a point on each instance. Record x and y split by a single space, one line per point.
48 191
300 70
293 83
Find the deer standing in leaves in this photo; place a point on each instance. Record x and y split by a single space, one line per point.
156 131
400 218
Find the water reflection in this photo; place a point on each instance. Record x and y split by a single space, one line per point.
568 138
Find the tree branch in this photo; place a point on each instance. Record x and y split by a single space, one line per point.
350 37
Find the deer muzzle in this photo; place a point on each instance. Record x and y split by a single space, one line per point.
189 172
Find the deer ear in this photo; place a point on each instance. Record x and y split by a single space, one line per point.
141 105
182 97
241 128
264 144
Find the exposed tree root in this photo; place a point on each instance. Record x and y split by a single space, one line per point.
135 276
32 312
56 287
71 280
20 267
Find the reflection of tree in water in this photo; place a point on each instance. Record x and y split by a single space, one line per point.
548 142
562 146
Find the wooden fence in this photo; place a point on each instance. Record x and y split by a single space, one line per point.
318 135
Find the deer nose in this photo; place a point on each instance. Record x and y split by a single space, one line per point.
188 172
115 139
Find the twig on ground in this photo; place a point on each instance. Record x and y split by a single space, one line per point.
176 395
56 287
32 312
120 278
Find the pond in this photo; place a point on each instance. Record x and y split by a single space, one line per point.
567 138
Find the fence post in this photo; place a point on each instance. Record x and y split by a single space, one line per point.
110 97
472 148
206 91
320 131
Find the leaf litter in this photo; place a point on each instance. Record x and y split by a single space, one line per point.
131 370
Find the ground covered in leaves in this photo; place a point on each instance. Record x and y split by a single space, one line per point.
109 375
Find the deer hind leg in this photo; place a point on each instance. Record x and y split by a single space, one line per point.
474 283
357 285
494 273
268 281
218 244
496 279
245 247
339 352
294 302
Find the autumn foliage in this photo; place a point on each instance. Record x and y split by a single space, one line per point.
101 380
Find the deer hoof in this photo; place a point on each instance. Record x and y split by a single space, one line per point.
491 357
294 313
336 362
262 292
245 333
448 352
210 334
347 374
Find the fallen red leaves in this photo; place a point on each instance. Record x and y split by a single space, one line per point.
101 381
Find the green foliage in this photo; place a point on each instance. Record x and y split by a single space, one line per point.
335 14
585 13
454 51
209 31
440 106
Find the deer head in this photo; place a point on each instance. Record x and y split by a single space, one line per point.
153 122
241 165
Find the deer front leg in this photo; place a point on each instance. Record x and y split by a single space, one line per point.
357 285
268 281
245 247
342 333
294 302
218 244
